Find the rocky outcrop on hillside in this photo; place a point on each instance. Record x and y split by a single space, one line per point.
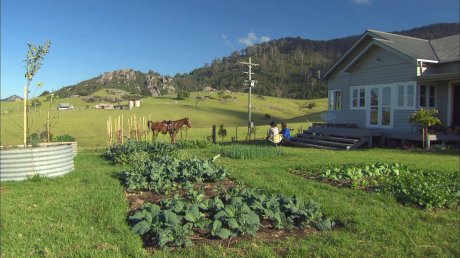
13 98
129 80
124 74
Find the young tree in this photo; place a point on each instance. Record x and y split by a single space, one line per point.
425 118
34 58
222 132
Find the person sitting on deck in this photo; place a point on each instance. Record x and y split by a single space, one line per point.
286 132
272 131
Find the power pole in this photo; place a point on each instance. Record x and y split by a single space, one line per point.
251 83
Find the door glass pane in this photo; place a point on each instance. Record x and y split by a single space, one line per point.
374 97
386 96
386 115
374 115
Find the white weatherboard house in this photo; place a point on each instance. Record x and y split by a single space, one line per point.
384 77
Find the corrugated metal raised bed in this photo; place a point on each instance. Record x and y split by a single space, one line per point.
18 164
74 145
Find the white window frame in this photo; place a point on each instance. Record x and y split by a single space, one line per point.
392 105
359 89
427 95
405 105
332 101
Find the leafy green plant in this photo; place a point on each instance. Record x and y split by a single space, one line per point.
238 218
425 189
237 151
121 153
169 174
193 144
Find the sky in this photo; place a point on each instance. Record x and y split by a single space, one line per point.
90 37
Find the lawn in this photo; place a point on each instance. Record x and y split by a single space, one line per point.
84 213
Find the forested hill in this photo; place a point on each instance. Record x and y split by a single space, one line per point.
289 67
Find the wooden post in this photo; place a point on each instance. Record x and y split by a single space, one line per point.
122 129
236 133
25 114
214 134
48 126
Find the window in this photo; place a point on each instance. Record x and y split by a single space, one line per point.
427 96
401 95
358 98
404 95
335 99
410 95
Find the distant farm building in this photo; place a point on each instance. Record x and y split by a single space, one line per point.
122 107
104 106
65 106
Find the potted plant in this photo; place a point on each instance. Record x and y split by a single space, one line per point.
425 118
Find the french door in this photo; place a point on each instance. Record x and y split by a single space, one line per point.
379 113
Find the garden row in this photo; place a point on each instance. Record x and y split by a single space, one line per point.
186 211
425 189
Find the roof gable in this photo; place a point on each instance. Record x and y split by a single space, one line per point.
445 49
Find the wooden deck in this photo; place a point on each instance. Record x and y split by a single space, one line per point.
376 134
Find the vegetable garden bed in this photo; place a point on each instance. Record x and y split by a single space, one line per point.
423 189
177 201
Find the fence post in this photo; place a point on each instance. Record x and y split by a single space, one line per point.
236 133
214 134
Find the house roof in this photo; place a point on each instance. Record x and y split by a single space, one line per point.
440 50
412 47
447 49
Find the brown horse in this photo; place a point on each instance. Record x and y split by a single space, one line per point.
171 127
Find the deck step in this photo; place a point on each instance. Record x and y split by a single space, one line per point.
328 138
302 144
324 142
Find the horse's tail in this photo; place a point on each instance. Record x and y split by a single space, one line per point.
149 123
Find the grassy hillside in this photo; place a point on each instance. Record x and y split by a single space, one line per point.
88 125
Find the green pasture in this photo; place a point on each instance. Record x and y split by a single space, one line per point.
84 213
88 125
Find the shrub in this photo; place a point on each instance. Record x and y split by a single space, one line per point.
311 105
33 139
64 138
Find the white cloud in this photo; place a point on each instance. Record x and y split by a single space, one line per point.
361 2
264 39
226 41
252 39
